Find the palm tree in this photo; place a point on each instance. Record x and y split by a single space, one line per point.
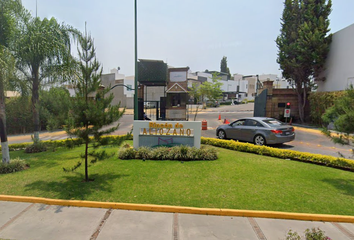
11 14
42 50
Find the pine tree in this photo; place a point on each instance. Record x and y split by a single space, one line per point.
224 68
304 44
91 108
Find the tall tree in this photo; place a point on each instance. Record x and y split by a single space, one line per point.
194 92
91 108
10 12
53 111
224 68
41 49
211 90
303 44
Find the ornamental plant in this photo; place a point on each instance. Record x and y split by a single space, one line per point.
91 108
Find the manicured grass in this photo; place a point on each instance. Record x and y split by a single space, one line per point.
236 181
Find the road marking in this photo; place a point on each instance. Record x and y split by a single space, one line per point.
256 229
16 217
100 226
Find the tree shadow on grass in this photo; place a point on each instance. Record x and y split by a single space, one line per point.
45 163
73 187
346 186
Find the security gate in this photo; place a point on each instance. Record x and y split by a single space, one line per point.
260 103
152 109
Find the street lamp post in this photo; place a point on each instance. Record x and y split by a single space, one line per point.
136 68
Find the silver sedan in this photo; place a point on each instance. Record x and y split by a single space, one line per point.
259 130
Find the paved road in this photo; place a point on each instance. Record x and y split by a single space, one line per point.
30 221
307 140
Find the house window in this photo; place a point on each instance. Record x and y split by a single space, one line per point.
129 87
177 99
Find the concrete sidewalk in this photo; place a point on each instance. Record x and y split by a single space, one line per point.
21 221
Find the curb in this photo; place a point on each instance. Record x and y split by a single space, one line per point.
176 209
299 128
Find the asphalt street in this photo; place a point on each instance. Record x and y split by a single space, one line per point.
307 139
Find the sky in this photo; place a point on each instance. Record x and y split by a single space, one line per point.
193 33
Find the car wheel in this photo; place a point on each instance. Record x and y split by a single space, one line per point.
259 140
222 134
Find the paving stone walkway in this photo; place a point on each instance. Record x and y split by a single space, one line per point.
32 221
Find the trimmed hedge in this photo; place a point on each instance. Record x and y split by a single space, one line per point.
325 160
179 153
71 142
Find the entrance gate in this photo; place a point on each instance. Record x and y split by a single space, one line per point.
152 109
260 103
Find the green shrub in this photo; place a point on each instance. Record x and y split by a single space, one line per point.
37 146
206 153
69 142
73 142
179 153
15 165
17 146
126 153
159 153
319 102
143 153
19 115
313 234
330 161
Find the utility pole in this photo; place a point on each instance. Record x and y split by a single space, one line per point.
136 68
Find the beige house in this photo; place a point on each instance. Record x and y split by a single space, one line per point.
12 94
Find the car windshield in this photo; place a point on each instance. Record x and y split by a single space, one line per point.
273 122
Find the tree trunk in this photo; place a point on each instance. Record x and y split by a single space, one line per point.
302 100
300 107
35 104
3 134
196 112
86 167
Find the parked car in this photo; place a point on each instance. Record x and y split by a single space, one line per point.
259 130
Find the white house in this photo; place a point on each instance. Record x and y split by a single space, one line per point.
339 66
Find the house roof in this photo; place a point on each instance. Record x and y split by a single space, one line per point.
176 88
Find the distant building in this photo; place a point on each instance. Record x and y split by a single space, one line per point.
12 94
122 88
339 70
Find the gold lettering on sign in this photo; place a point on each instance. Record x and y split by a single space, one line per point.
189 132
171 129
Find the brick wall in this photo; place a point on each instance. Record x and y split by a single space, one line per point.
277 99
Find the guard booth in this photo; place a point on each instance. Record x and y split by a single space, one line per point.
152 77
177 94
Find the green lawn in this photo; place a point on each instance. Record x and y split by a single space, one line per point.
236 181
